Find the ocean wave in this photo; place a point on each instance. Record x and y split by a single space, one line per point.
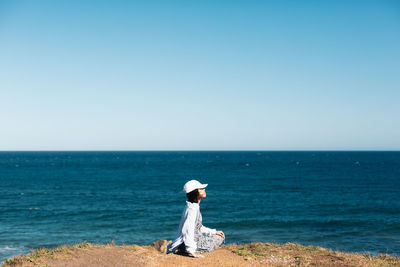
9 249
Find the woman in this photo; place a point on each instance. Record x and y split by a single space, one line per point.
193 238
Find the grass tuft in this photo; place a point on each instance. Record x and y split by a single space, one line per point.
296 254
257 249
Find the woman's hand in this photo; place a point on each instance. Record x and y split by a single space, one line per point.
220 233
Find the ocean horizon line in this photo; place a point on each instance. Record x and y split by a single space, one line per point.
210 150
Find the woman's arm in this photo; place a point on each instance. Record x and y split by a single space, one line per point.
207 231
188 230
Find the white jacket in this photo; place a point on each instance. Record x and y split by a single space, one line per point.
186 229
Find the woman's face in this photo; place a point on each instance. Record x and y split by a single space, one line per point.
202 192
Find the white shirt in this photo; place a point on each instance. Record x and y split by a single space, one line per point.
186 229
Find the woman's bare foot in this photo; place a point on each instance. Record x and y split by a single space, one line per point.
196 255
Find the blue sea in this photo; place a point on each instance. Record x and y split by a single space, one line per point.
348 201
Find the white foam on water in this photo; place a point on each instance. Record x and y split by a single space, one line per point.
7 248
7 252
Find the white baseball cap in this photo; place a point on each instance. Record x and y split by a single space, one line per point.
193 185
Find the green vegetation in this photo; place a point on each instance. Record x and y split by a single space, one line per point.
253 250
293 254
44 252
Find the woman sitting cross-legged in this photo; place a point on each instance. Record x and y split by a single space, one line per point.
193 238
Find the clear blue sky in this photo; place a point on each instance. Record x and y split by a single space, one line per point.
199 75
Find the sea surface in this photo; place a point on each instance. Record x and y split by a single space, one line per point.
348 201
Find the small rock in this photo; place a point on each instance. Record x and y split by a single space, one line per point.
161 245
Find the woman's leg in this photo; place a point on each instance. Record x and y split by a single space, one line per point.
209 243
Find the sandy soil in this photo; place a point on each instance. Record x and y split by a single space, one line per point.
253 254
145 256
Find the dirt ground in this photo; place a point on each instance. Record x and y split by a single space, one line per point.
252 254
145 256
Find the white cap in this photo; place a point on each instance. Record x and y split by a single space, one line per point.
193 185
